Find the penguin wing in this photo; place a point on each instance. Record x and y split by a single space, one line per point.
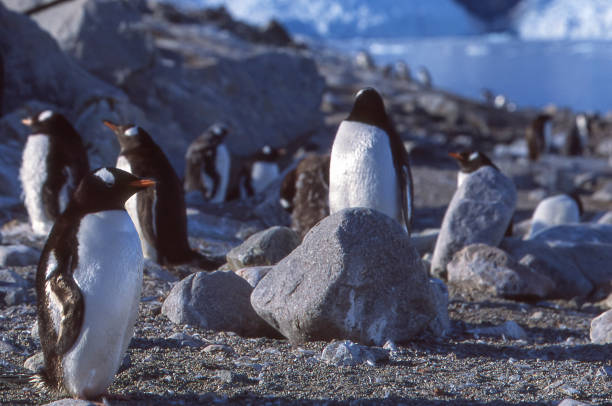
147 211
64 308
287 190
56 177
407 194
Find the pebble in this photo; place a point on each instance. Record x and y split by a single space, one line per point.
35 363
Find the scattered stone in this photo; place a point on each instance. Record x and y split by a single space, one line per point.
216 301
13 288
348 353
490 270
212 348
510 329
440 326
356 277
185 340
6 347
569 390
266 247
18 255
573 402
479 212
35 363
601 328
71 402
230 377
253 274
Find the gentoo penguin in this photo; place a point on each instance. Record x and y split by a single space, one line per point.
554 211
260 170
424 77
304 192
369 164
402 71
88 285
578 137
538 136
469 162
54 162
208 164
159 213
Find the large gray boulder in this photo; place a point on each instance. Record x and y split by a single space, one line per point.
479 212
482 268
266 247
216 301
356 277
601 328
102 35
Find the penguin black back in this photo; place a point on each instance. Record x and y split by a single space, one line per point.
536 137
60 304
369 108
202 154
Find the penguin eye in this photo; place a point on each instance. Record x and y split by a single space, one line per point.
130 132
106 177
45 115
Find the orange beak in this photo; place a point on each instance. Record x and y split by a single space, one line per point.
26 121
110 125
142 183
455 155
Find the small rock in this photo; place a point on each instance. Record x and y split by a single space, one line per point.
35 363
7 347
573 402
348 353
490 270
185 340
71 402
440 325
216 301
601 328
18 255
479 212
554 211
253 274
509 329
605 218
604 194
355 276
569 390
13 288
212 348
266 247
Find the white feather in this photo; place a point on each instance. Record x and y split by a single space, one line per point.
130 132
461 177
131 205
109 275
45 115
554 211
33 174
105 175
262 174
362 172
222 165
66 190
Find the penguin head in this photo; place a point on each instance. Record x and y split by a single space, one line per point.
471 161
216 133
49 122
369 108
269 154
106 188
129 135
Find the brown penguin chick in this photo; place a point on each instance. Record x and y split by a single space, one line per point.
535 135
304 192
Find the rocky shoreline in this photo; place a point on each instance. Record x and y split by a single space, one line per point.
188 70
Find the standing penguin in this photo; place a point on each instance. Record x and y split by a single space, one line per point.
469 162
578 138
369 164
208 164
260 170
88 285
159 213
538 136
54 162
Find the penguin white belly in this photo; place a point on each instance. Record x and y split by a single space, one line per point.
222 166
361 171
554 211
109 275
131 205
262 174
461 177
33 174
66 190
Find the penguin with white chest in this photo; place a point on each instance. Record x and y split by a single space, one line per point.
260 171
556 210
208 164
88 285
53 163
369 164
159 213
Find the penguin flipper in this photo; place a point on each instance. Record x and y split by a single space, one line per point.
72 310
407 194
146 202
287 190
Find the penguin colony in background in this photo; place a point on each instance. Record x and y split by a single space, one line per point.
260 171
369 164
538 136
88 285
54 162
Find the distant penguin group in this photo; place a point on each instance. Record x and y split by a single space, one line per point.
54 162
